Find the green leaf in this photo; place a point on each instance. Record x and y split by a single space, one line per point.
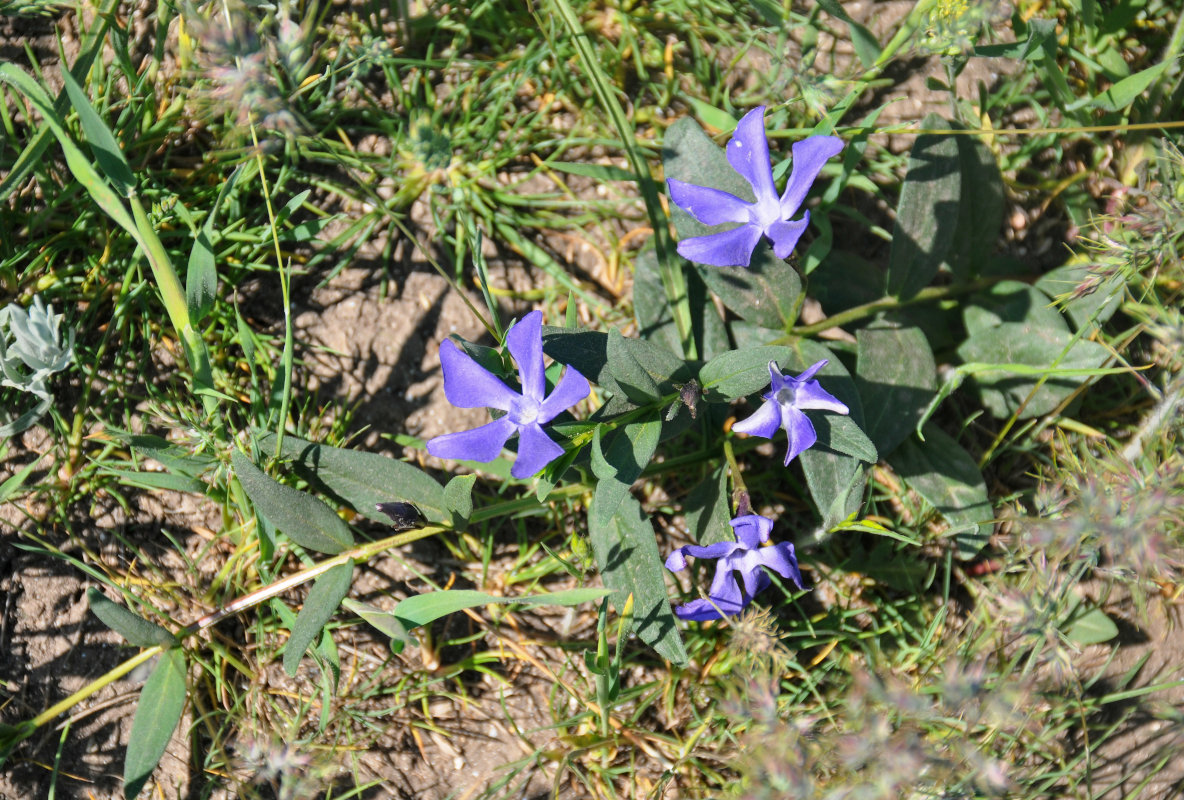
1009 301
384 621
361 479
458 499
1092 627
655 323
867 47
106 149
627 555
324 597
422 609
165 481
946 476
841 434
739 373
1098 302
1034 345
1119 96
305 519
130 626
637 383
836 483
201 279
601 172
711 116
161 702
980 209
896 376
583 349
927 213
708 511
1030 48
619 463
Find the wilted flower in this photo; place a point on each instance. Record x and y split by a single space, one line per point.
748 153
469 385
783 408
744 555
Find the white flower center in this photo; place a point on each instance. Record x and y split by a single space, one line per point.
786 396
524 411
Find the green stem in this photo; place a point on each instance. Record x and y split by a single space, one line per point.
868 310
94 686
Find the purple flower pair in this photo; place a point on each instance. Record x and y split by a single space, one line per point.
770 215
729 596
469 385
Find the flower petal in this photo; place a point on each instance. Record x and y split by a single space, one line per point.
709 206
785 235
480 444
702 610
781 559
572 388
812 395
717 550
808 157
467 384
748 153
725 587
752 529
525 341
726 249
812 370
535 451
800 431
763 423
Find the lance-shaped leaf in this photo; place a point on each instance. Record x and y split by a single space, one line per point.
303 518
161 702
130 626
620 461
323 599
896 376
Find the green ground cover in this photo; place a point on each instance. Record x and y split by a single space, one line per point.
990 539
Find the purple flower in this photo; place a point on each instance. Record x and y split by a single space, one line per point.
748 153
783 406
469 385
746 556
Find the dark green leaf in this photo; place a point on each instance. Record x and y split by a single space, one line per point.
161 702
324 597
106 149
1083 295
1008 301
583 349
896 376
946 476
618 462
384 621
927 213
1038 31
627 554
305 519
1032 344
841 434
655 322
130 626
166 481
362 479
638 385
836 482
980 209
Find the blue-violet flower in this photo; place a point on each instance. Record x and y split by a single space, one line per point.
783 408
469 385
748 153
746 556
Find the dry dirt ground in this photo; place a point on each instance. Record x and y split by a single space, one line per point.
377 354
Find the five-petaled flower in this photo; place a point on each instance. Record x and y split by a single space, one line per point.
746 556
748 153
469 385
783 408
